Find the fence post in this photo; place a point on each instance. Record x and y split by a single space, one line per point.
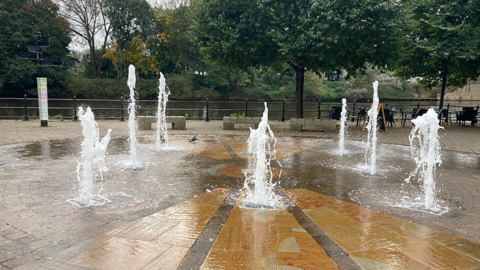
207 119
26 107
418 105
246 107
283 112
386 104
75 117
318 108
123 117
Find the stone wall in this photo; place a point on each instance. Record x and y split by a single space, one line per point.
470 92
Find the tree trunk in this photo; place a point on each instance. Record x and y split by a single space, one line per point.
92 61
442 94
300 71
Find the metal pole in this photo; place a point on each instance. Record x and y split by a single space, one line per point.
26 107
40 67
75 116
418 105
442 92
207 119
354 105
121 101
246 107
318 108
283 112
386 104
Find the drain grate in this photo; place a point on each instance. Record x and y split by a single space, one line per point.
258 206
13 166
141 169
246 171
421 208
96 201
377 175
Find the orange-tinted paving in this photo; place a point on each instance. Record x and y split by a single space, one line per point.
265 239
378 241
236 171
158 241
289 146
205 145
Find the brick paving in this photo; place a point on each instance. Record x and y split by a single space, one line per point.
36 221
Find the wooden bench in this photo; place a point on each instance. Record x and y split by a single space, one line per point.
178 122
297 123
229 122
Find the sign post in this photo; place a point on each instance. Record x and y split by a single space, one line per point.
35 53
42 101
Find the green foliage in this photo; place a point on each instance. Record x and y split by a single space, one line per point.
237 115
332 90
305 34
58 116
441 34
21 20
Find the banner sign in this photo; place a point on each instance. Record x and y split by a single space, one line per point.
42 98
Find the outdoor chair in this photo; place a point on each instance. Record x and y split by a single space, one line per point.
407 116
336 112
467 114
421 112
444 116
389 118
357 115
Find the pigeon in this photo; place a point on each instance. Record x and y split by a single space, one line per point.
194 138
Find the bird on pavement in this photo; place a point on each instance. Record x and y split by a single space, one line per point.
194 138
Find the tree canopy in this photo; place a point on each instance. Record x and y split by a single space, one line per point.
303 34
442 41
21 20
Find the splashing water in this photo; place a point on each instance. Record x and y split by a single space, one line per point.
162 136
372 132
92 164
343 126
427 154
134 163
259 185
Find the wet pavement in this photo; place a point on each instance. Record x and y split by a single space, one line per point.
183 210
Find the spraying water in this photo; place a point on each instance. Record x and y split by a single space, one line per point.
343 123
131 119
259 184
162 136
92 164
427 155
372 131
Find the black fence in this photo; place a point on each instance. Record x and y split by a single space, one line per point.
119 108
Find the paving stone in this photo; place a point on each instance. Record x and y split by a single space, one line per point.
5 256
20 261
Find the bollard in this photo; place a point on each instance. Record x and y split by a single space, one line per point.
26 107
318 107
121 101
283 112
246 107
207 119
75 116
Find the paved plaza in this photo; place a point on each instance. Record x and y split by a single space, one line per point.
184 210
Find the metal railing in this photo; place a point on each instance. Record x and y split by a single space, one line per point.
320 113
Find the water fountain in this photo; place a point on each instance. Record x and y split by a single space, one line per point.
92 164
343 126
372 133
426 155
133 164
258 183
162 136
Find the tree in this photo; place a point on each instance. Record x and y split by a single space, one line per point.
88 22
303 34
128 18
21 20
442 42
